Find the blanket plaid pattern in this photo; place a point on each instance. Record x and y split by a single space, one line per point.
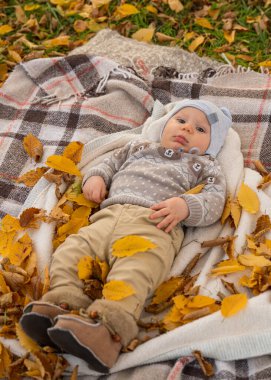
82 97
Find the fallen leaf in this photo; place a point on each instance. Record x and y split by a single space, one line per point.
204 22
4 29
27 217
26 342
144 34
58 41
232 304
99 3
5 361
116 290
166 290
248 199
80 26
200 301
130 245
206 366
253 260
33 147
229 36
226 267
195 190
31 7
125 10
196 43
63 164
85 267
32 177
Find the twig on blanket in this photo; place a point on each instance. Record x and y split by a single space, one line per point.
191 265
260 167
218 241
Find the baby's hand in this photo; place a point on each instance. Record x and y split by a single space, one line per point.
174 210
94 189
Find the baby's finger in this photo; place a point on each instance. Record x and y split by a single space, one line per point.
165 222
158 206
159 214
171 226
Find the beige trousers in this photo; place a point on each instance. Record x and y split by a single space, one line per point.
144 271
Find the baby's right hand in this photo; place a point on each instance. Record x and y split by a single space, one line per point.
94 189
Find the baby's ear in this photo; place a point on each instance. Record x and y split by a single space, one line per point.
226 112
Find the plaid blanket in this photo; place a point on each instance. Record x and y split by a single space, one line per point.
84 97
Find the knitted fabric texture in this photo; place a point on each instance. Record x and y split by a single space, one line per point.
145 173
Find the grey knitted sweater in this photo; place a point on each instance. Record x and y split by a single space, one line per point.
144 173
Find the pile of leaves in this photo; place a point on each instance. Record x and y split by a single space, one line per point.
238 32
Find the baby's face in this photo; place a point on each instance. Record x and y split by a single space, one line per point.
188 128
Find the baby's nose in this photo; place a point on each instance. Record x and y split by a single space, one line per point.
188 127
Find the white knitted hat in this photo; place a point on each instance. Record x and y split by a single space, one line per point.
219 118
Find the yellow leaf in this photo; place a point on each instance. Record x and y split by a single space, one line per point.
229 36
63 164
235 212
125 10
180 302
265 63
31 7
144 34
85 267
204 22
188 36
95 27
5 362
46 281
233 304
196 43
58 41
130 245
248 199
61 2
3 286
4 29
200 301
20 250
166 290
10 224
163 37
74 150
33 147
81 200
174 315
175 5
3 71
226 267
151 9
25 341
254 261
116 290
32 177
104 268
227 210
79 219
196 190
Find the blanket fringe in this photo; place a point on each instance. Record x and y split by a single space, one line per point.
100 88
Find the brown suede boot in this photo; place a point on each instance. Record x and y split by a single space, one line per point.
37 318
87 340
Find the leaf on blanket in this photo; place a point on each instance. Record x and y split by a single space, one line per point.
33 147
5 362
265 181
226 267
116 290
254 261
200 301
206 366
81 200
263 225
167 289
25 341
231 212
248 199
232 304
54 177
130 245
10 224
63 164
144 34
32 177
74 150
74 373
31 217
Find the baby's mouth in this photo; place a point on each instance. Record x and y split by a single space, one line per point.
181 139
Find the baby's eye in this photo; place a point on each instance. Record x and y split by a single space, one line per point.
182 121
200 129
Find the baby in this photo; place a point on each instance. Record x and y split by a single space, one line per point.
147 183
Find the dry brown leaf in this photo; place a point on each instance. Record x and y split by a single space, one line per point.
5 361
32 177
74 373
25 341
175 5
29 217
54 178
206 366
33 147
196 43
74 150
161 37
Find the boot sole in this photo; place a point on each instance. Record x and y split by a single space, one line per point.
35 326
65 340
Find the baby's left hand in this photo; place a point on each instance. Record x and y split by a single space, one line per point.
174 210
